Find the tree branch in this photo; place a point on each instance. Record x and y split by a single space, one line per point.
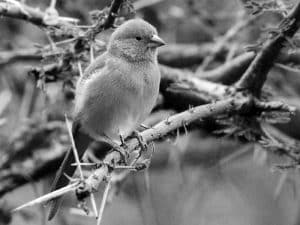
256 74
109 21
23 12
17 10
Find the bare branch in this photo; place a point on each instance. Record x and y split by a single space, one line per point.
256 74
109 21
17 10
230 71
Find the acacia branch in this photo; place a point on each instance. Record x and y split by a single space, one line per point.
109 21
17 10
230 71
23 12
256 74
157 132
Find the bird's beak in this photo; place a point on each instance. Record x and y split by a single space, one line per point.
155 42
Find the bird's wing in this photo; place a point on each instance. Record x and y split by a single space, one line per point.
97 65
108 102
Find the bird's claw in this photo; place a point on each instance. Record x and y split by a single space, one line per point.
142 143
123 143
123 153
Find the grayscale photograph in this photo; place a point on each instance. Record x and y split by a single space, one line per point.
149 112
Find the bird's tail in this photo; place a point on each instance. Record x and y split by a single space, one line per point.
81 142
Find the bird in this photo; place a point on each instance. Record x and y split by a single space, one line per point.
115 94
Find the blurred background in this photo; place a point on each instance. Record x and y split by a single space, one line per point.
198 178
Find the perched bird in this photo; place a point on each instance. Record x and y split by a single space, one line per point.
115 94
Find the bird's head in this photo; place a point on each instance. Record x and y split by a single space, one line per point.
135 40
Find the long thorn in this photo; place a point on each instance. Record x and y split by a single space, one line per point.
94 205
74 148
84 164
103 202
92 52
79 69
47 197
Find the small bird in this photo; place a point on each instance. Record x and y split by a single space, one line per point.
115 94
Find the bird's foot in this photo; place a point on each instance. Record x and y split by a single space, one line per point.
123 153
121 150
123 143
142 143
116 147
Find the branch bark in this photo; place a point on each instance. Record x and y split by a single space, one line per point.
256 74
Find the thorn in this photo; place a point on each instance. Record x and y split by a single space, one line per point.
94 205
147 180
92 52
177 137
79 69
52 43
48 197
185 128
74 147
125 167
85 164
103 202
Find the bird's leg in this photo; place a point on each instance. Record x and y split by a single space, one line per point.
118 148
104 138
142 143
123 143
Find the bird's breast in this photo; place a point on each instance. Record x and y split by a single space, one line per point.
117 102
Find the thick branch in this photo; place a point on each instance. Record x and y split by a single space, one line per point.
256 74
185 55
229 72
46 163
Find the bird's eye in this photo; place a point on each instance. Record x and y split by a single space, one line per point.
138 38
